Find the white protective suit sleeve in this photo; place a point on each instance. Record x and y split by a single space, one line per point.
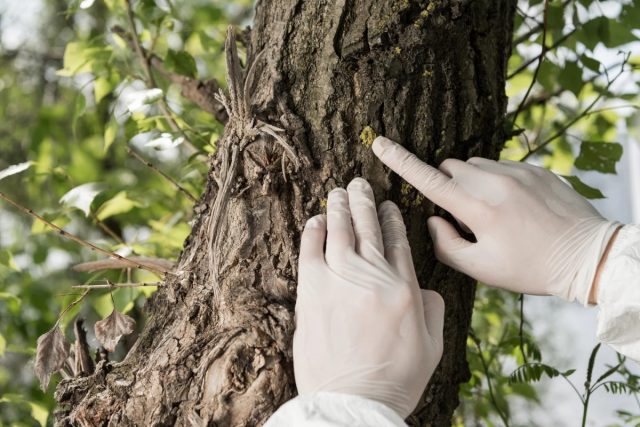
326 409
619 294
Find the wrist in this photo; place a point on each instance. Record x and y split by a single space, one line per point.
595 286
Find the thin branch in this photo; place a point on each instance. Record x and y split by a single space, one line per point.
150 80
162 174
503 417
544 97
571 122
107 230
537 28
110 285
70 306
136 44
200 92
82 242
615 107
543 52
521 329
524 66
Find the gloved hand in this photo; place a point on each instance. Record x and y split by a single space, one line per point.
363 326
534 233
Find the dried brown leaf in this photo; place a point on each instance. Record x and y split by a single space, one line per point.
111 329
51 353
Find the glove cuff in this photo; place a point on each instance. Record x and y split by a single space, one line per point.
597 234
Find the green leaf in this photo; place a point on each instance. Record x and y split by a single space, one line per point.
571 77
80 57
110 133
533 372
102 87
6 259
599 156
594 31
618 387
74 60
583 189
12 301
592 361
119 204
3 345
590 63
555 16
181 62
39 413
548 75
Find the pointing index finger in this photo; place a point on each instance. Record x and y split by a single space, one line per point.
431 182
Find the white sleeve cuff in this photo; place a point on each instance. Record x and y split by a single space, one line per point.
325 409
619 294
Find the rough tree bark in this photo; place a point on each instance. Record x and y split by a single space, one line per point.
216 349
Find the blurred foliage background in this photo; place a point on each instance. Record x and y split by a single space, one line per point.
74 96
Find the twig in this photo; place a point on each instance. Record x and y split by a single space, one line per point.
150 80
540 61
547 96
524 66
70 306
162 174
82 242
200 92
107 230
503 417
521 330
571 122
110 285
537 28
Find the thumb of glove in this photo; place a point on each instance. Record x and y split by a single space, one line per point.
433 306
450 248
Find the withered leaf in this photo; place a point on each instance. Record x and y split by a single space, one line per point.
51 353
111 329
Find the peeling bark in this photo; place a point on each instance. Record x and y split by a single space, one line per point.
216 349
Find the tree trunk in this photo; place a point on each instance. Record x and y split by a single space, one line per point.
216 349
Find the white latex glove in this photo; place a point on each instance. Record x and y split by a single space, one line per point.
534 233
363 326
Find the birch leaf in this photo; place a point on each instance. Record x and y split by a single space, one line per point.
111 329
51 352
